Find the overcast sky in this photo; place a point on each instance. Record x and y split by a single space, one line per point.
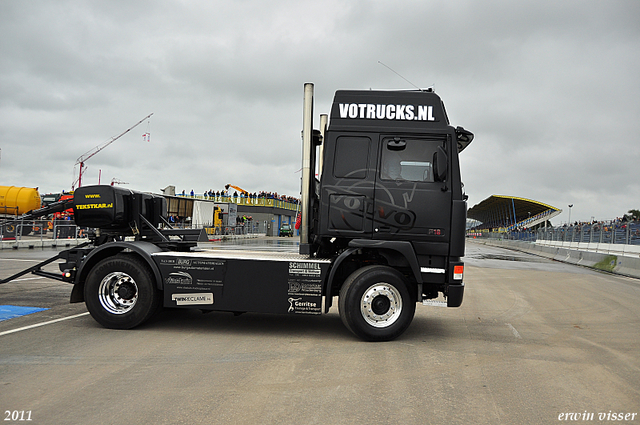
551 90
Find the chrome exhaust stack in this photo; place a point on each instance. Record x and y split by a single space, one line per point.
307 176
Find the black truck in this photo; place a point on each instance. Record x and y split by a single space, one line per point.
382 229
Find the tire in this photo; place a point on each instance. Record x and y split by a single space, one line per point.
25 229
9 230
120 292
376 304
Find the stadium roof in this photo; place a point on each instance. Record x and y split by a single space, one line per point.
511 212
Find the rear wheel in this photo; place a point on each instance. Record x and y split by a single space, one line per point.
376 304
120 292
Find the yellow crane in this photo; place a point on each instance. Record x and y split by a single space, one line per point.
237 188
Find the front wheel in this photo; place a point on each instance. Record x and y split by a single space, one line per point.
120 292
376 304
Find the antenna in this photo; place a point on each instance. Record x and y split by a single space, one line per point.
390 69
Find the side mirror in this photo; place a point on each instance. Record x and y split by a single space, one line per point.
317 138
464 137
440 165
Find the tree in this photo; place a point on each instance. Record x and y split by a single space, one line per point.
634 214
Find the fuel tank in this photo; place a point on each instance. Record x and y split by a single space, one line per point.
16 200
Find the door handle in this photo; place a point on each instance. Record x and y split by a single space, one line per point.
383 229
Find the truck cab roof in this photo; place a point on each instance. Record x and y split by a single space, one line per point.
372 110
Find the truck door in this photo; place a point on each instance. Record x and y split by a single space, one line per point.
348 186
412 196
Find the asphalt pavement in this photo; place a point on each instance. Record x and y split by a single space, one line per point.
533 342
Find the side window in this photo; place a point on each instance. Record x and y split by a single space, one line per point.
351 157
408 159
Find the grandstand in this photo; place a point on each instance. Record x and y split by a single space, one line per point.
507 213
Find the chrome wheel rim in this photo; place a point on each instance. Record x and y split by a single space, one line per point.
118 293
381 305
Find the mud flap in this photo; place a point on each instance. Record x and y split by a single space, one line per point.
454 295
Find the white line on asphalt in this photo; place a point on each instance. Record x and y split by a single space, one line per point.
515 332
19 259
42 324
29 278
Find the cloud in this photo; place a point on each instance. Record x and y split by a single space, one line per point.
549 88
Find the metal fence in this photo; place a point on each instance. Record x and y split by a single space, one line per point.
40 229
247 229
612 233
33 230
241 200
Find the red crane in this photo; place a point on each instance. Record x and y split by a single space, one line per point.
82 159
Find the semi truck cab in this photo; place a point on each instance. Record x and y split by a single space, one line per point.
390 191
